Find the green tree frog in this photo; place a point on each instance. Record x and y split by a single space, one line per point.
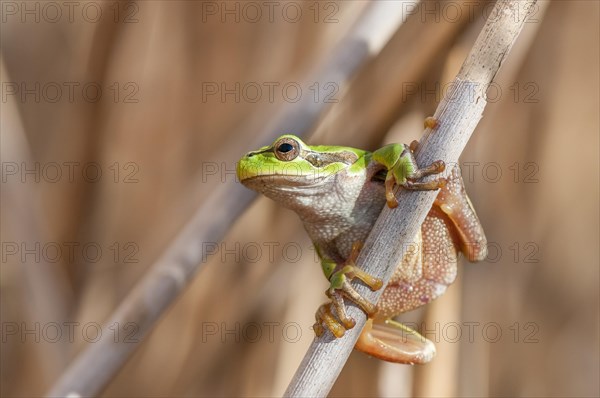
338 192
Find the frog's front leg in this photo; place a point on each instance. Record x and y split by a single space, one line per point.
403 170
340 276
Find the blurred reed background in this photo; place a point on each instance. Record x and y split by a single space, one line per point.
74 243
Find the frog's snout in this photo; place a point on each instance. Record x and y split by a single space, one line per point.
239 169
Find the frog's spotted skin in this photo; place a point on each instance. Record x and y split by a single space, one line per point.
428 277
339 192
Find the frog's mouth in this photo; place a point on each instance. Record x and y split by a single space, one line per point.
285 181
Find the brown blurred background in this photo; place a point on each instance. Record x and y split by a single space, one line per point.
124 93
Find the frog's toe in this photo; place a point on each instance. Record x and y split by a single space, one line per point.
337 300
436 167
349 292
390 198
431 122
394 342
413 145
353 272
324 317
425 186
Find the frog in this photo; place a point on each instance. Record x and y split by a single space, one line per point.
338 192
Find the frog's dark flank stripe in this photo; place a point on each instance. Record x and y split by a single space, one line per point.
321 159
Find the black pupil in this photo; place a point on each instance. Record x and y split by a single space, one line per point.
285 147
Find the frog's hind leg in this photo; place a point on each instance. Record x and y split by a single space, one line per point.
423 275
394 342
454 202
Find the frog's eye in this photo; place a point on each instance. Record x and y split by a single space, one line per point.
286 149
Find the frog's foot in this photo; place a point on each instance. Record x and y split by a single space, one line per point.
394 342
411 182
341 288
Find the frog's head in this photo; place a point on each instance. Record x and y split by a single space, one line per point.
289 166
